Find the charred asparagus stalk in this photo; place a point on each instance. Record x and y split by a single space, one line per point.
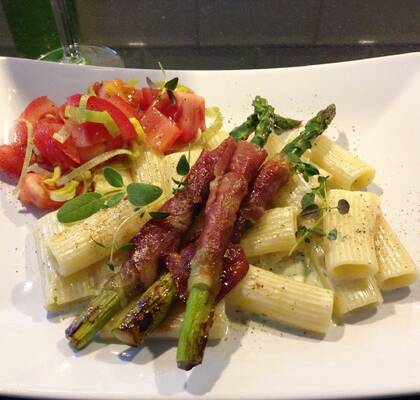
197 318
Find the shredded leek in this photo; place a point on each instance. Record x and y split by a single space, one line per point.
67 192
28 152
101 117
56 176
62 135
183 89
217 123
133 81
79 171
138 128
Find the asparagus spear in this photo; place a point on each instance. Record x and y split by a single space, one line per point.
200 302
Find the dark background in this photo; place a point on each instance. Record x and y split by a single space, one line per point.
221 34
233 34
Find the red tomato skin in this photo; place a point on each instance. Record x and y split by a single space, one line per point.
126 108
153 97
11 158
49 148
33 112
161 132
34 192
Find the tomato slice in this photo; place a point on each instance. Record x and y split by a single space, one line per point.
87 153
11 158
53 151
153 97
190 116
127 109
33 112
34 192
88 134
161 132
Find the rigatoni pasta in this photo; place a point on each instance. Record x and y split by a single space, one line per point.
396 267
347 170
284 299
352 254
348 296
274 232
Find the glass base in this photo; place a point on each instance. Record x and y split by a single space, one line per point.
90 55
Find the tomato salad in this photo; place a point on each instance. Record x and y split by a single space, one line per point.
111 115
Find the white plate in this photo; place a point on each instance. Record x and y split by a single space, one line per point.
377 354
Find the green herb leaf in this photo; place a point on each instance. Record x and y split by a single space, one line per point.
307 200
126 247
180 183
114 199
172 84
317 231
111 266
183 166
150 83
332 234
80 207
99 243
171 96
141 194
158 214
311 211
113 177
343 206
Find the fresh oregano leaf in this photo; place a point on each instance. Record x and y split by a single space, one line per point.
150 83
99 243
183 166
113 177
332 234
172 84
114 199
141 194
126 247
158 214
311 211
80 207
307 200
111 266
171 96
343 206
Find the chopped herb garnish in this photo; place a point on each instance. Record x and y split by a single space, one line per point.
80 207
307 200
311 211
111 266
126 247
343 206
114 199
183 166
99 243
113 177
158 214
171 85
142 194
332 234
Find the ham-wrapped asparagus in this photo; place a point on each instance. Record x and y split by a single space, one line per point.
154 240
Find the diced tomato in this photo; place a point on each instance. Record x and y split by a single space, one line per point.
37 108
127 130
34 192
148 97
51 149
117 87
114 143
70 150
87 153
98 104
161 132
11 158
127 109
88 134
191 115
33 112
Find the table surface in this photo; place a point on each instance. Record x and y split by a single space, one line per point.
216 34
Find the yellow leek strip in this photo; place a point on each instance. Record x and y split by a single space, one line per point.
138 128
56 176
28 152
67 192
133 81
79 171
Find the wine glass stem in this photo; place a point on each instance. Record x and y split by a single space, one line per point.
62 18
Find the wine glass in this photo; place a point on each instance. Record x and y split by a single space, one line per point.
71 52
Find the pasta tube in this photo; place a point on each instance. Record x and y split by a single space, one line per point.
284 299
274 232
347 171
62 292
348 296
75 247
352 254
396 267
